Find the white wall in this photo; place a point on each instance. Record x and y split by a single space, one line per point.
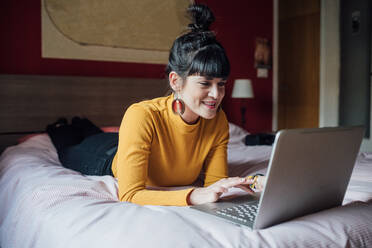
329 63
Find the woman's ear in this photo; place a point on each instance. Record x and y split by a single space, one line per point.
175 81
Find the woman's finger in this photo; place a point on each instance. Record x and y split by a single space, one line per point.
220 189
233 181
245 188
248 181
261 182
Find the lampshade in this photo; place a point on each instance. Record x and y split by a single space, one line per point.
242 89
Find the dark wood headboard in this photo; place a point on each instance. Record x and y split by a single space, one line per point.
28 103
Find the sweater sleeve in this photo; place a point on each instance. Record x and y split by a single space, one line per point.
135 137
215 165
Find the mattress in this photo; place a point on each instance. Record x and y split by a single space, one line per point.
46 205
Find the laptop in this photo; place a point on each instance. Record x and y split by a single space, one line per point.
309 171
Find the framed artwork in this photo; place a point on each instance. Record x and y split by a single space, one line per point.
262 54
110 30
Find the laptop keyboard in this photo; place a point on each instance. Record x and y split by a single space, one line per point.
243 212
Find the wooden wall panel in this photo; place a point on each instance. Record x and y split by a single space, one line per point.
29 103
299 48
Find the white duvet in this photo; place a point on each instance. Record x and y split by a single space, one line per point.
46 205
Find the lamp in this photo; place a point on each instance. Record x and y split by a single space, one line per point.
242 89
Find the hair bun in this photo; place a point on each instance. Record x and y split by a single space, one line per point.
201 17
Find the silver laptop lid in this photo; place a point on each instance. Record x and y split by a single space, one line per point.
309 171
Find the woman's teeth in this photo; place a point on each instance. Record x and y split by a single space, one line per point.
210 104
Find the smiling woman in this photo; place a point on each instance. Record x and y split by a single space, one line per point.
202 95
168 141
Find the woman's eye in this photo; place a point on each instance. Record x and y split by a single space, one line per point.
208 84
205 83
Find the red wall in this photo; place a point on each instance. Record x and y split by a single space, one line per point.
237 25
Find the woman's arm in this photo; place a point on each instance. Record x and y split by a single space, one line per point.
135 138
213 192
216 179
215 164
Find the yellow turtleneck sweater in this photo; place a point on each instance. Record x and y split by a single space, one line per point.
157 148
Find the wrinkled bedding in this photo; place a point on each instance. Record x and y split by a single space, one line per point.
46 205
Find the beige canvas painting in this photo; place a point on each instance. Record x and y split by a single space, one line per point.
112 30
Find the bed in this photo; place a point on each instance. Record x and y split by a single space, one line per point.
46 205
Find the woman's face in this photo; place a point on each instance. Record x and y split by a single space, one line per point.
202 96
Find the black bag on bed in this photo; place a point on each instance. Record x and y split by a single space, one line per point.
259 139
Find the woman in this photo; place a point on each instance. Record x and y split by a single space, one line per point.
170 141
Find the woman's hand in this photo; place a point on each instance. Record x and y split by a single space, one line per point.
260 183
213 192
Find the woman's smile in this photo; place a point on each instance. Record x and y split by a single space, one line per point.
202 96
210 104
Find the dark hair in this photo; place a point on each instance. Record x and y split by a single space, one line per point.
198 51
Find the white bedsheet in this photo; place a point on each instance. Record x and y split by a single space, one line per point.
46 205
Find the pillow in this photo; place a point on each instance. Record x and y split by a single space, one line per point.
26 137
237 134
110 129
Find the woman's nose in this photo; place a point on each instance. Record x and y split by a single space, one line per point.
213 92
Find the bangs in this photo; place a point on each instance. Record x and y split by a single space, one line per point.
210 62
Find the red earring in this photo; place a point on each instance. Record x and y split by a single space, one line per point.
178 106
